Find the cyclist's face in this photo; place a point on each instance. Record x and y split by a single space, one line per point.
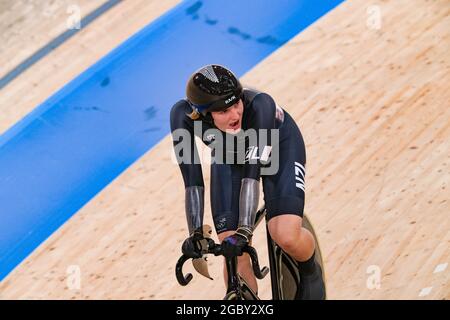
229 120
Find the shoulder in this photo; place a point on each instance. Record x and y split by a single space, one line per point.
178 114
255 99
180 107
264 98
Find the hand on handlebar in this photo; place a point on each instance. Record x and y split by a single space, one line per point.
235 244
192 247
197 245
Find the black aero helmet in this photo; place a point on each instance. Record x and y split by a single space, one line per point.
213 88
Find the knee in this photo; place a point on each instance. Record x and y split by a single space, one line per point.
288 241
243 263
286 235
244 260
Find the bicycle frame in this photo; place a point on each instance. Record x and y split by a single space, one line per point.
284 273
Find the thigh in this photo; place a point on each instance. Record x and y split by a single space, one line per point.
225 190
284 192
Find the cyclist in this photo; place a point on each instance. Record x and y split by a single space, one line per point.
217 101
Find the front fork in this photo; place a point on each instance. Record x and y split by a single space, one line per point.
233 278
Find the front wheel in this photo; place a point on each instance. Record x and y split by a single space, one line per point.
231 296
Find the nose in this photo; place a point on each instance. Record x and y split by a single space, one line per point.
235 110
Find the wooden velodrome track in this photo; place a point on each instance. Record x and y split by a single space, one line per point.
373 104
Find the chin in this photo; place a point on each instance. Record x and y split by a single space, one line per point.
233 131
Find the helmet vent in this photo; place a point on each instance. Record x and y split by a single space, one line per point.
209 73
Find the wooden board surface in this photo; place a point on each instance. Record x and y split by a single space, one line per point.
373 106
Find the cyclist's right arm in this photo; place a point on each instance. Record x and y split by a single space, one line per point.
182 130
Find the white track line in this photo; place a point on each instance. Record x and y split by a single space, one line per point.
440 267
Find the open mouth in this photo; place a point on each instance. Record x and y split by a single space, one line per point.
234 125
